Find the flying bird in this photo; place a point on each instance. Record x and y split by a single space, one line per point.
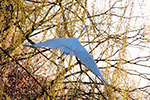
72 46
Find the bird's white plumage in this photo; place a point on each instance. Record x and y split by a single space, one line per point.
73 47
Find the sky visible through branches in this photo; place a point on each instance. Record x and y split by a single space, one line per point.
117 38
140 13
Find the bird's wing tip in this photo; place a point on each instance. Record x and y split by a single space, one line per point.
28 45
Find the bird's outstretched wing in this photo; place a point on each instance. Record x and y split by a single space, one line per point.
87 59
73 47
53 44
65 45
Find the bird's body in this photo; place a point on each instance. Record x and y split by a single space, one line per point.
72 47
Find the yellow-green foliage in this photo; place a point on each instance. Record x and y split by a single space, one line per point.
61 76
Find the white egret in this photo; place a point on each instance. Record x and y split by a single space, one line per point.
72 46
